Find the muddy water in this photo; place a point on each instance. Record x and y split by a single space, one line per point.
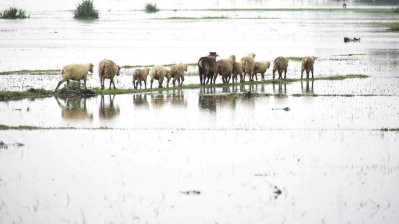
213 155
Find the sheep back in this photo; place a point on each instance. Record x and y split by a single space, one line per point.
76 71
107 69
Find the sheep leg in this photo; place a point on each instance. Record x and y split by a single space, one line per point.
274 70
301 73
84 83
152 80
182 80
285 74
145 84
59 83
307 74
312 74
113 83
102 83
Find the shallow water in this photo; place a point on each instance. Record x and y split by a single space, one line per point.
210 155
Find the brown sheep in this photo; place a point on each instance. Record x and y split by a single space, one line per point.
75 72
307 65
107 69
207 67
261 67
140 75
280 64
225 68
158 72
248 65
237 70
177 73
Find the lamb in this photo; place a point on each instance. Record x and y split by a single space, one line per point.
261 67
75 72
307 65
158 72
225 68
107 69
140 75
248 65
177 73
237 70
207 67
280 64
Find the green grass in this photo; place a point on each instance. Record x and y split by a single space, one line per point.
85 10
295 58
32 72
151 8
13 13
395 10
31 93
390 129
27 127
196 18
393 27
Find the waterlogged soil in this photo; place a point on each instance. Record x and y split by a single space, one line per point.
322 151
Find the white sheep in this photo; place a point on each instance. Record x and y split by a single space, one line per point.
140 75
248 65
107 69
225 68
261 67
177 73
237 70
75 72
307 65
280 64
158 72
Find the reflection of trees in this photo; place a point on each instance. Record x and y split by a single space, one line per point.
109 110
140 100
308 88
74 109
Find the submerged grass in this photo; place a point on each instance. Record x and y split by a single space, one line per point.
390 129
393 27
41 93
27 127
32 72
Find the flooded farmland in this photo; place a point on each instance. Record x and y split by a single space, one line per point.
303 151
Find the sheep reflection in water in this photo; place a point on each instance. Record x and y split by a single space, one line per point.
308 89
74 109
140 100
281 89
176 98
209 100
108 110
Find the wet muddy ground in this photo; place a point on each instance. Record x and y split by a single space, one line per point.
303 152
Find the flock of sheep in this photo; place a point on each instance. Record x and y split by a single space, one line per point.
208 68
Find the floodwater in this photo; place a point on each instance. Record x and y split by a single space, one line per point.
209 155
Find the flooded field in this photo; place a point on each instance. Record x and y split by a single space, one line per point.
305 151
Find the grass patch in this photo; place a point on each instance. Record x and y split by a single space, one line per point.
342 77
13 13
393 27
295 58
79 92
32 72
27 127
197 18
85 10
31 93
395 10
151 8
390 129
